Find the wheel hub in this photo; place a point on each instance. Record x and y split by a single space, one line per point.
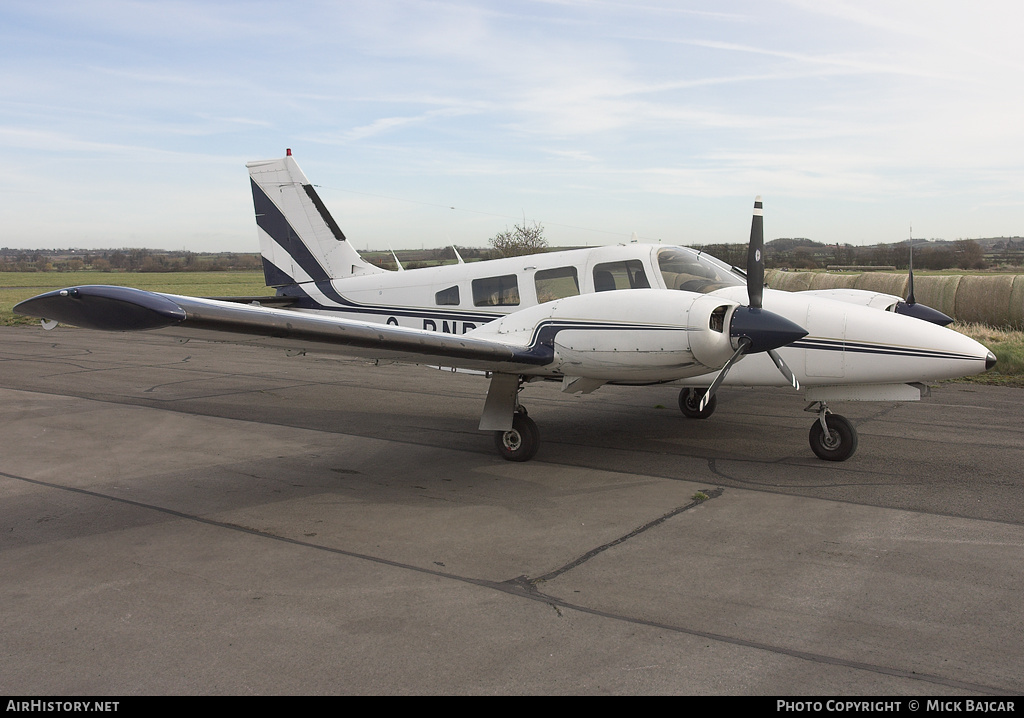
512 440
830 440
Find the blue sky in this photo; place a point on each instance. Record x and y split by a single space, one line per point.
128 124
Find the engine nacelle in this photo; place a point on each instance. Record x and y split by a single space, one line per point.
632 335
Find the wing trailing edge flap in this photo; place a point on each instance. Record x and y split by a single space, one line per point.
125 309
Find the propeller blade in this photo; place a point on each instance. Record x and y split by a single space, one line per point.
784 368
910 279
752 328
911 308
755 257
744 343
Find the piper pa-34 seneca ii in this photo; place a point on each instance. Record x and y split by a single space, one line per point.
630 314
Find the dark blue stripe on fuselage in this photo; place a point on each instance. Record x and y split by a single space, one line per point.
349 307
879 349
541 349
379 310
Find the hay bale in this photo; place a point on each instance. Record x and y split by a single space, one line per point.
1017 302
938 292
996 300
820 280
788 281
884 283
984 299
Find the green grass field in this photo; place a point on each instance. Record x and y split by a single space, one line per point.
18 286
1008 346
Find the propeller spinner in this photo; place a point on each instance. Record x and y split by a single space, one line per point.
752 328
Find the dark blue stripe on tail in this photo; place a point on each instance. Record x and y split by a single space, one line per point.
324 214
272 221
274 276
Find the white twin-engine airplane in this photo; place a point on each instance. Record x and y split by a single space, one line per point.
630 314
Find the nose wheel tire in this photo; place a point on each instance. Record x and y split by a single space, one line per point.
840 442
689 403
521 442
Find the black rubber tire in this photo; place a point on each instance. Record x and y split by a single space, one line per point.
841 442
521 442
689 400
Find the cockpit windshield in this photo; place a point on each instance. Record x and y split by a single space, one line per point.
695 271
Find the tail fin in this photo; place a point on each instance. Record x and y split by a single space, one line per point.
299 239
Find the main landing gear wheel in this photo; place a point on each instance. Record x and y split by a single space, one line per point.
840 442
689 403
521 442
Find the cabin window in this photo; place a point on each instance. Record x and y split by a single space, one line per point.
500 291
620 275
447 296
556 283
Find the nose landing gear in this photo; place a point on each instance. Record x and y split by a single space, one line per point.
832 437
689 403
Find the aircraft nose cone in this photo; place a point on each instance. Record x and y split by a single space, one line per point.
765 330
990 361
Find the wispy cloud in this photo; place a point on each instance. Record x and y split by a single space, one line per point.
603 111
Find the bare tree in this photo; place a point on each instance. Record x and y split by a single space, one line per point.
968 254
519 240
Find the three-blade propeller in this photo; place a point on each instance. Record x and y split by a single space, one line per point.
752 328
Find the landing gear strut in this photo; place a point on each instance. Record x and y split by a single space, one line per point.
832 437
515 434
689 403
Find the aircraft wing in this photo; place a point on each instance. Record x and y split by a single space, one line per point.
125 309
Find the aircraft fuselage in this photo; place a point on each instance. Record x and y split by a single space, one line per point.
845 344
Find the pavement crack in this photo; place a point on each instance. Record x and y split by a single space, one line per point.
526 588
708 494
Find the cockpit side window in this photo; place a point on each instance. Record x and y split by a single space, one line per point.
620 275
691 271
